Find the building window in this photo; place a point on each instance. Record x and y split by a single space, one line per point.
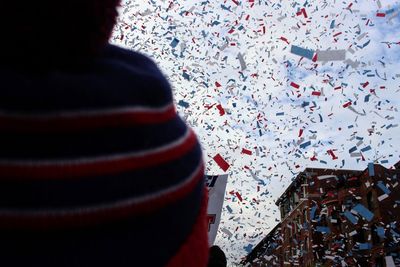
287 233
306 245
298 222
375 237
360 236
305 215
295 198
379 262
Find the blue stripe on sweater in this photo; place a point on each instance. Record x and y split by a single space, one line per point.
89 143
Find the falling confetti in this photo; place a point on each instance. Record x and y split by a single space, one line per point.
247 75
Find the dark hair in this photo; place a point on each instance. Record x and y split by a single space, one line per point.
217 257
49 29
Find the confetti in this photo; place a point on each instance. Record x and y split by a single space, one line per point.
272 88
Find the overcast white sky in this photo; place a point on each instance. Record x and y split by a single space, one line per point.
212 33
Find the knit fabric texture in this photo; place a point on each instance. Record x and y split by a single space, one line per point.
97 168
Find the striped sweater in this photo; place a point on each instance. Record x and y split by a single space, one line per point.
97 169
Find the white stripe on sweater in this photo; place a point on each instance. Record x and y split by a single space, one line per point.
87 113
106 158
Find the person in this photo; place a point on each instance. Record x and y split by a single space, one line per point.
217 257
96 167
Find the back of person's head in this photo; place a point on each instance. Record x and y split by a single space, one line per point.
217 257
52 29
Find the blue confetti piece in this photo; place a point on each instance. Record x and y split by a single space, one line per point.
183 104
312 212
174 43
229 209
226 8
381 231
383 187
366 44
280 113
353 219
366 99
351 150
367 148
332 24
371 169
323 229
364 246
390 11
186 76
363 211
297 50
305 144
248 248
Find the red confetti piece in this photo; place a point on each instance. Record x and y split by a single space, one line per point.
303 10
284 39
330 152
239 196
315 57
295 85
347 104
221 110
382 15
365 84
217 84
247 152
316 93
221 162
300 132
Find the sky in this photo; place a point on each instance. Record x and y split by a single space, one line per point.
239 83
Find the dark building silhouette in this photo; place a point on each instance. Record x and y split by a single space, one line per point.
337 218
268 251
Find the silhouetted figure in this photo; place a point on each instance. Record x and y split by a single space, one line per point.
96 167
217 257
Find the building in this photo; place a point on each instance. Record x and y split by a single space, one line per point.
340 218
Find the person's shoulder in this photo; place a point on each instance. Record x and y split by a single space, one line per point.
133 60
137 73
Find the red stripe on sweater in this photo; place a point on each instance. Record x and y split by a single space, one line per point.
84 122
194 252
91 216
59 170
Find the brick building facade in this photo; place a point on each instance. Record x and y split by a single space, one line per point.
339 218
